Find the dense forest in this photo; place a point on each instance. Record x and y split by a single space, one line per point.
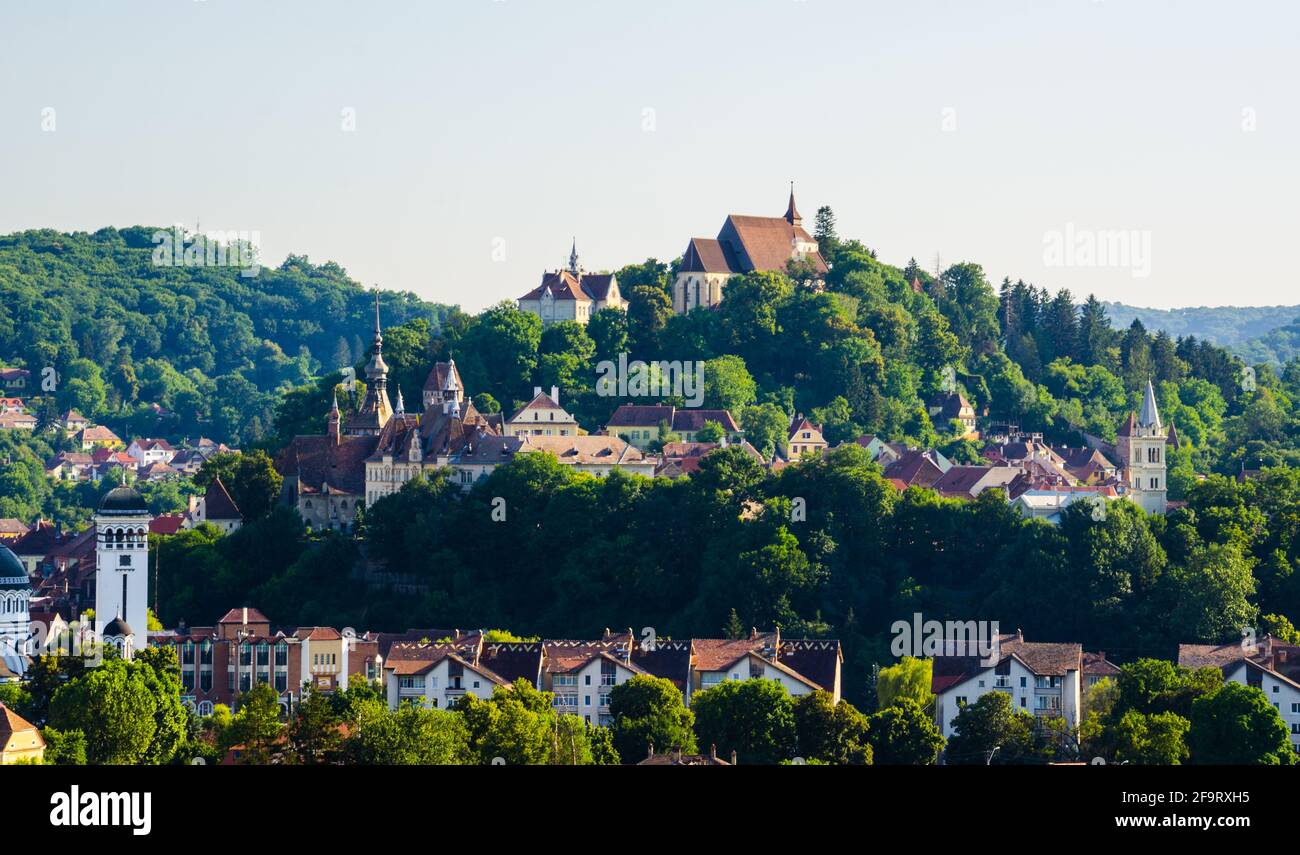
210 345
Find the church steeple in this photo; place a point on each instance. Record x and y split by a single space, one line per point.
791 212
375 410
573 258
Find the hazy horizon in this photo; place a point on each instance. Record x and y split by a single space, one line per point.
455 149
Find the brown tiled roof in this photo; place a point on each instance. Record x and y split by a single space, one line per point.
563 285
766 243
596 285
12 724
437 379
1042 658
513 660
237 616
706 255
317 461
540 401
686 419
97 433
670 660
817 659
960 480
718 654
641 415
1096 664
1129 427
594 450
218 504
10 526
801 423
39 541
914 467
166 523
950 405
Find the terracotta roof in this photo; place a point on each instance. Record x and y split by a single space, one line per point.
592 450
801 423
166 523
706 255
687 419
766 243
11 526
217 503
97 433
317 461
914 467
12 724
244 615
439 376
642 415
962 480
1096 664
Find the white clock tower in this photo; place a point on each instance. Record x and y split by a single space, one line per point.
1142 444
122 569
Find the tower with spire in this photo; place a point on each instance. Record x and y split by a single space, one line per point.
375 410
1142 445
574 268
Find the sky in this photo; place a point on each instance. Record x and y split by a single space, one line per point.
454 148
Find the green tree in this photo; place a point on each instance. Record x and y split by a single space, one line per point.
754 718
904 734
1238 726
909 679
649 711
831 732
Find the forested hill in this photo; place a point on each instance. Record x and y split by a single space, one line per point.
211 344
1227 326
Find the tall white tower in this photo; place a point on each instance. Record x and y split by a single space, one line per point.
122 567
1142 444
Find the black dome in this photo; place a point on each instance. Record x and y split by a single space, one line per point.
12 573
124 500
118 628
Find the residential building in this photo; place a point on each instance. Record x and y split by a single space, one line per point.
572 294
20 740
643 424
1269 665
14 381
1042 678
744 244
542 416
219 663
953 406
214 507
804 438
149 451
14 420
967 482
11 529
73 421
98 436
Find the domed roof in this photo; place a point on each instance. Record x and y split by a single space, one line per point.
13 576
118 628
124 500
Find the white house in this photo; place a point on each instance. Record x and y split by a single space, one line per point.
1042 679
436 674
1269 665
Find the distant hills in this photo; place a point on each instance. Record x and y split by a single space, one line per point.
1256 333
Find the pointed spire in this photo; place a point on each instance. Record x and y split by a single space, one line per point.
791 212
573 257
401 406
1150 416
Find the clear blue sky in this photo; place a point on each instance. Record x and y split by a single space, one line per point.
524 121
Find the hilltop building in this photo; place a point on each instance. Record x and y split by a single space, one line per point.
744 244
572 294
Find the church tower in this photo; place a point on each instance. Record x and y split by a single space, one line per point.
122 569
375 410
1142 445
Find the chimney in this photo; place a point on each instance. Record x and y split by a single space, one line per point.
555 394
733 757
1020 636
713 752
537 390
776 648
651 752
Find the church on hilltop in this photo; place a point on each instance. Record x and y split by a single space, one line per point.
744 244
1141 447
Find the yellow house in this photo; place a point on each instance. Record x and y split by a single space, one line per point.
542 416
19 739
642 424
98 436
805 438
